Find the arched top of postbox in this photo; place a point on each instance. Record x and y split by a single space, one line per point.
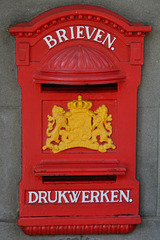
64 14
81 65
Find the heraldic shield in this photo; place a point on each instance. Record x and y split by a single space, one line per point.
79 127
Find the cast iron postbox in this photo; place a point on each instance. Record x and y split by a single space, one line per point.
79 68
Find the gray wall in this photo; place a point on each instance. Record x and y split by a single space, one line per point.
146 12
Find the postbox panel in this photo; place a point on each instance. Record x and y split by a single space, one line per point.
79 68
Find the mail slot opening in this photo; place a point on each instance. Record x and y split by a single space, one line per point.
54 179
79 88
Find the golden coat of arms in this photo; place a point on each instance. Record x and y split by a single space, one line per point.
79 127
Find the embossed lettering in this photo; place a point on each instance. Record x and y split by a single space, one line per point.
80 32
62 195
61 34
98 35
104 195
31 198
51 42
74 196
49 197
42 196
125 196
110 43
94 196
83 197
88 33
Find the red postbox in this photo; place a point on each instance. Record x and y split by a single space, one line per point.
79 68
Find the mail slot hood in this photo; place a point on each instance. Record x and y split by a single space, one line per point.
79 65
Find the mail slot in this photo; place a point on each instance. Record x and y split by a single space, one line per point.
79 68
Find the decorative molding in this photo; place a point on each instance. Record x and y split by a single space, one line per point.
79 65
79 229
82 17
79 59
22 54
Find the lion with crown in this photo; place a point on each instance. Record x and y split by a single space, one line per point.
55 123
100 124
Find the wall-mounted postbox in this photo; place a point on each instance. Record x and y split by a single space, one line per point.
79 68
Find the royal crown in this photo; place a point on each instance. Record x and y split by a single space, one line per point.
79 104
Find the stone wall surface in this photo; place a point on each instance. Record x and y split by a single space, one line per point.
145 12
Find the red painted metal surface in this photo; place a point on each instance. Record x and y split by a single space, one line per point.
61 54
79 229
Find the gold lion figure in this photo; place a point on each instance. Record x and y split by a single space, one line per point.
100 126
56 121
